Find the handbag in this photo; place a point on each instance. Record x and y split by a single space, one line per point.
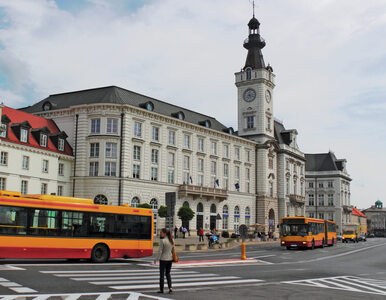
174 254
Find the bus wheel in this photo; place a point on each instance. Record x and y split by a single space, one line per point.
100 253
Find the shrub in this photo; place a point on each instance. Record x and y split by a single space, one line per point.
225 234
144 205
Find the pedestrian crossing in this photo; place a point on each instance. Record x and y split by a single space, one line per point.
346 283
147 279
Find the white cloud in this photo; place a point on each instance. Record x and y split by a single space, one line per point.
326 54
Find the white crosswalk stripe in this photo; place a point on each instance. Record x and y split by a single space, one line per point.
346 283
148 279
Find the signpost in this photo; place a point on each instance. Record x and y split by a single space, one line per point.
243 229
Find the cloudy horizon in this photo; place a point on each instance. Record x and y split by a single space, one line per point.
328 56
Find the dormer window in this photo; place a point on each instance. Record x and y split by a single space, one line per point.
24 135
181 115
149 106
3 130
206 123
47 106
61 144
43 140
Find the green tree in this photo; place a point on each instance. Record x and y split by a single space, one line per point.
185 214
162 211
144 205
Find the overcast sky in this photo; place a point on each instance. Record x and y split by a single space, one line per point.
329 58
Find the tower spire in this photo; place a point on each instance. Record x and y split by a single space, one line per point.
253 4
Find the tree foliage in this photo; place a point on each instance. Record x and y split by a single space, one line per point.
162 211
185 214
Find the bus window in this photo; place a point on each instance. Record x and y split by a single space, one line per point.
74 223
97 225
44 222
13 220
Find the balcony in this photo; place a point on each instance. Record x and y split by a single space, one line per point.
201 192
297 199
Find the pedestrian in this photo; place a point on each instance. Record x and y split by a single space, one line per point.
175 232
184 230
201 235
165 258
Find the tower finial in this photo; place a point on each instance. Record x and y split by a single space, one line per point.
253 4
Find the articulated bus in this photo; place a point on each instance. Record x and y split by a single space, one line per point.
48 226
307 232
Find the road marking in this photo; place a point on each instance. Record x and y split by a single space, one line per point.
148 272
207 279
10 268
155 275
18 288
72 264
346 283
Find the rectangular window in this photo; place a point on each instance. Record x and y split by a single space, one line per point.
43 189
94 150
311 201
237 172
154 174
94 168
186 162
311 185
321 185
200 165
3 183
271 189
172 137
137 129
247 174
137 153
250 122
200 180
226 151
155 134
214 148
248 188
311 215
61 169
111 150
225 222
45 166
268 123
200 145
248 155
186 177
60 190
226 170
321 199
226 183
95 125
213 167
154 156
112 126
4 158
288 186
237 153
24 187
43 140
270 163
187 141
25 162
213 181
5 130
61 144
330 185
136 171
171 176
330 199
110 168
171 159
23 135
321 216
331 216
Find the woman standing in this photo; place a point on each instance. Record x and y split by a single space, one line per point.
165 258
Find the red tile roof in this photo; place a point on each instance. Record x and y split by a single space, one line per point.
36 122
357 212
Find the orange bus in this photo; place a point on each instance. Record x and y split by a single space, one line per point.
307 232
47 226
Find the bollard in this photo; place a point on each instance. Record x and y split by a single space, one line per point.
243 255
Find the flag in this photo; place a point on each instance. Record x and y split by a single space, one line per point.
237 186
217 182
191 180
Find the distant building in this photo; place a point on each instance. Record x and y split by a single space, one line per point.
358 217
376 219
35 156
328 189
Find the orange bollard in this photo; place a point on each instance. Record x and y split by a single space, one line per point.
243 255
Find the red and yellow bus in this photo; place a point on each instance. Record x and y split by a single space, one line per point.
307 232
47 226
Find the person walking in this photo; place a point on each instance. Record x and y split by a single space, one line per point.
201 235
184 230
175 232
165 258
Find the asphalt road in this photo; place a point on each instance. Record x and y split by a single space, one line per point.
344 271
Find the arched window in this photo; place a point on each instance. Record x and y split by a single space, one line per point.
200 208
247 216
213 209
225 209
236 219
154 204
249 73
135 202
237 210
100 199
186 204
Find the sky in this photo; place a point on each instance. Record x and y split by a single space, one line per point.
329 58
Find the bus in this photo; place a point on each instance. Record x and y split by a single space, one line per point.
49 226
304 232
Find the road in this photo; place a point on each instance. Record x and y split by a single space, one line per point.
345 271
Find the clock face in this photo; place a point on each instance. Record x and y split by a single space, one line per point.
249 95
267 96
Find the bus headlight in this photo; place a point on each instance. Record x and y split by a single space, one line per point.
282 242
304 243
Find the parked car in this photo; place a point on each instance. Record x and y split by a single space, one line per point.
371 235
362 237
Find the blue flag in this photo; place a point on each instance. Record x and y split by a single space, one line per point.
191 180
217 182
237 186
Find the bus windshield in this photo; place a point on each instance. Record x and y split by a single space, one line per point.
348 232
294 229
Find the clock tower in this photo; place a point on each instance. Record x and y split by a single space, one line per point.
255 84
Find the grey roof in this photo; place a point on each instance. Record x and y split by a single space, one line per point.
117 95
323 162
